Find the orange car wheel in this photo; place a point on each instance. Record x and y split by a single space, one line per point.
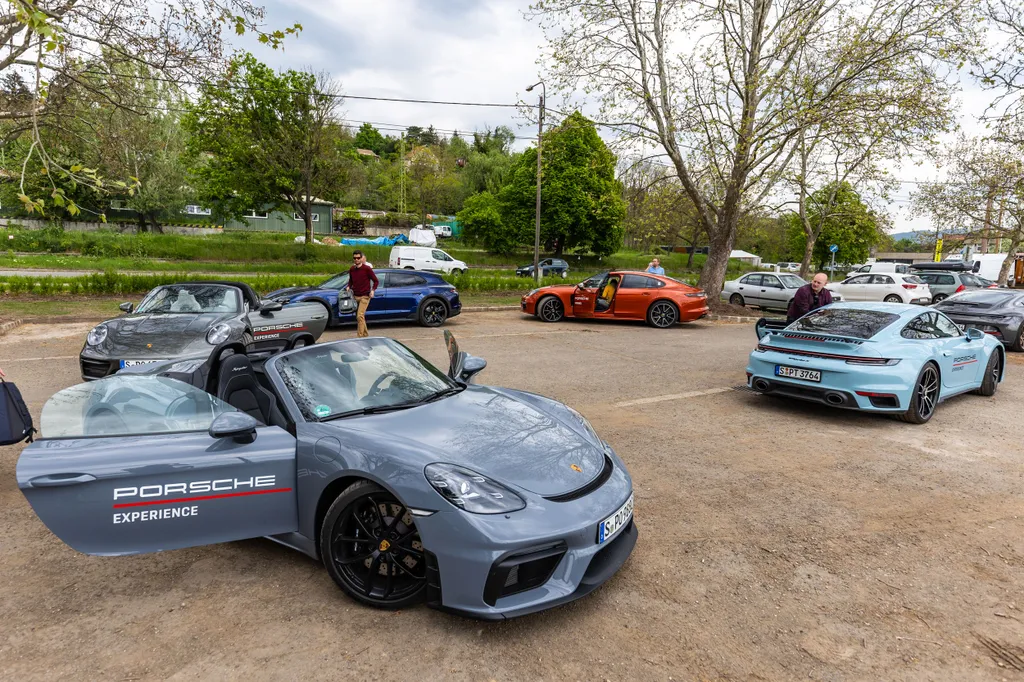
662 314
550 309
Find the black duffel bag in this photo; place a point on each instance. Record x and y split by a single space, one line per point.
15 420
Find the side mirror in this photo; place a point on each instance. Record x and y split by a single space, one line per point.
268 307
471 366
238 426
127 307
975 334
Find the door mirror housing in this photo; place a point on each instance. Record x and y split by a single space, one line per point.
238 426
975 334
471 366
269 307
127 307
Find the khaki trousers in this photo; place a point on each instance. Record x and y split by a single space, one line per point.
363 301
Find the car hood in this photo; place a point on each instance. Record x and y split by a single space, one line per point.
516 438
160 335
290 291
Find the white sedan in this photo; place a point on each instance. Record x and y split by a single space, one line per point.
888 287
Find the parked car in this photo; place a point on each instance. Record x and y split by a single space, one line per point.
548 266
192 320
425 258
409 484
619 295
891 288
443 230
997 312
402 295
876 357
789 267
763 289
945 284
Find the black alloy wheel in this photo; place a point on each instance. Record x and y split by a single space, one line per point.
433 313
736 299
1018 345
371 548
925 397
662 314
550 309
993 370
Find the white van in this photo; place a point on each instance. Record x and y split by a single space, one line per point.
898 268
443 230
424 258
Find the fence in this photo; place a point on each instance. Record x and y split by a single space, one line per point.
85 226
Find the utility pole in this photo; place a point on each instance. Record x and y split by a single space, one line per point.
540 136
401 200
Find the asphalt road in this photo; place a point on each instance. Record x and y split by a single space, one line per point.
778 540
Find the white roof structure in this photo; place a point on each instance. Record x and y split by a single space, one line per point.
745 255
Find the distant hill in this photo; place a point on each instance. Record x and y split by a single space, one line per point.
904 235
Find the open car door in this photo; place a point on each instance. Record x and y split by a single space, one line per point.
134 464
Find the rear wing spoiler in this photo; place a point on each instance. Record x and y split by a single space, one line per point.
765 326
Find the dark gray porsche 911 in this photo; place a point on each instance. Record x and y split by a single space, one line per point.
191 320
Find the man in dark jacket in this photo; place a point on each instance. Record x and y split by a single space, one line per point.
809 297
363 283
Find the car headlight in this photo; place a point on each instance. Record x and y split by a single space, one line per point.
585 424
97 336
218 334
470 491
532 293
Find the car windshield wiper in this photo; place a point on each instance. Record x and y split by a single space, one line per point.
443 393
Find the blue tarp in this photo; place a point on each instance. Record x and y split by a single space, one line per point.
379 241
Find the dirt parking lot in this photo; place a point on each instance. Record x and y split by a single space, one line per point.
778 540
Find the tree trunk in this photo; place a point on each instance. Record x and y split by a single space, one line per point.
309 226
689 258
712 275
805 265
1011 255
154 224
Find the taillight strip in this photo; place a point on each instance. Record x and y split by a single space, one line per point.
829 356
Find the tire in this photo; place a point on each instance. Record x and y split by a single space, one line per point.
736 299
893 298
1018 344
564 274
939 297
992 371
433 312
457 272
550 309
662 314
409 267
371 548
928 385
247 341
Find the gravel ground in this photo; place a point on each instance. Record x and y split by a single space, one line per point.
778 540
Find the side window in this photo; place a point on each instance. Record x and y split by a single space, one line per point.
654 283
864 268
922 327
770 281
752 280
928 279
881 279
945 279
439 255
402 279
633 282
385 280
902 269
545 263
859 279
946 326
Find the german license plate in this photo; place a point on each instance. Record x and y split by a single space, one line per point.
136 363
797 373
616 522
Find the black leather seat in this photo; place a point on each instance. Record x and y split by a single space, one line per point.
237 386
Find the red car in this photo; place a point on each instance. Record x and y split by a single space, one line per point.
620 295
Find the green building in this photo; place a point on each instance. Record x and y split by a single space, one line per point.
271 219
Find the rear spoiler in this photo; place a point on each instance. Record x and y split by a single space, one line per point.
765 326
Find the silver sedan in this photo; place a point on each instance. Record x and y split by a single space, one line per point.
763 289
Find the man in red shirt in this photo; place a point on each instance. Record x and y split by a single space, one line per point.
363 284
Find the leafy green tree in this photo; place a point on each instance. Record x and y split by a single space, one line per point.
370 138
481 219
847 223
265 138
581 200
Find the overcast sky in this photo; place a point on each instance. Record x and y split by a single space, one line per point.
460 50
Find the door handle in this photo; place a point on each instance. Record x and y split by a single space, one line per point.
947 353
56 480
646 294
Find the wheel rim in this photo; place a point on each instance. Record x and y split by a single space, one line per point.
434 313
663 315
551 311
893 299
927 392
996 366
377 550
736 299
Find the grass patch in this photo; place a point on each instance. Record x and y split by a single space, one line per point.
27 307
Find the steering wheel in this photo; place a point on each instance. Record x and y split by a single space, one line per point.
375 390
105 421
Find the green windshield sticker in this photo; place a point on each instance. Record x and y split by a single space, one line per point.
322 410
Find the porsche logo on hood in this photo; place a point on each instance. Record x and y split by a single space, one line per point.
576 468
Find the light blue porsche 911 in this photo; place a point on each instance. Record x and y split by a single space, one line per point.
877 357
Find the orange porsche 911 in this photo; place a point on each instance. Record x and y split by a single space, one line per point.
620 295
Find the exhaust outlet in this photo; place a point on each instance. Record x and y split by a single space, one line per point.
834 399
761 385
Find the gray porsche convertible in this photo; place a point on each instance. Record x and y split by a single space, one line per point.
191 320
409 484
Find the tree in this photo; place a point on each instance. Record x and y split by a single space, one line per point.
55 42
481 219
844 220
432 181
983 190
582 205
725 89
262 137
370 138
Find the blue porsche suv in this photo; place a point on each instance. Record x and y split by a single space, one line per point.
402 295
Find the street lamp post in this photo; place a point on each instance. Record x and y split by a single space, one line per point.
540 134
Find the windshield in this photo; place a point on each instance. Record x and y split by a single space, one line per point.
594 281
191 298
123 405
336 282
349 376
862 324
792 281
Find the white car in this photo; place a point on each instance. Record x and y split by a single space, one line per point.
424 258
789 267
443 230
888 287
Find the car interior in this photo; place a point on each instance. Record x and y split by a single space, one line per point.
608 289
